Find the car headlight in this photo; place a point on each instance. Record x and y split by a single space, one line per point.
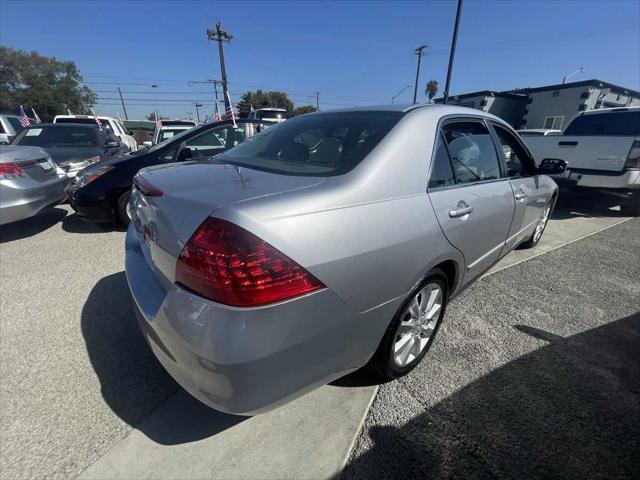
86 178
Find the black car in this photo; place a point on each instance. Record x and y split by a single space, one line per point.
71 146
101 192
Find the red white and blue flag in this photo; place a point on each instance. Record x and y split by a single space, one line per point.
95 117
24 120
158 121
229 113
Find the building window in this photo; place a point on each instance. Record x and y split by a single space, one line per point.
483 103
468 104
553 122
582 106
584 95
555 93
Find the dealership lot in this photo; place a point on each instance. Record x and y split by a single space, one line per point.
78 379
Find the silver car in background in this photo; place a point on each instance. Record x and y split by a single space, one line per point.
328 242
29 183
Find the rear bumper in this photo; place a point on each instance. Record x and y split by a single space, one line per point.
250 360
18 202
624 180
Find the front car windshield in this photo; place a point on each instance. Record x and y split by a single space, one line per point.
324 144
52 136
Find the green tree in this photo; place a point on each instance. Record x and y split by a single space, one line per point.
303 109
431 90
48 85
263 99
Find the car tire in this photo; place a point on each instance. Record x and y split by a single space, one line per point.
122 206
631 208
403 345
535 237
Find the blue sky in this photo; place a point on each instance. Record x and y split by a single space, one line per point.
353 53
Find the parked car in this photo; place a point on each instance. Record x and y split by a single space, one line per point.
269 115
602 148
101 192
113 124
538 132
327 242
28 183
10 126
71 146
169 129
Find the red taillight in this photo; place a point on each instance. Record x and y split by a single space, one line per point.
228 264
633 157
7 169
146 187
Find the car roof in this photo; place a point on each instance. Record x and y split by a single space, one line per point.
612 109
64 125
438 109
99 117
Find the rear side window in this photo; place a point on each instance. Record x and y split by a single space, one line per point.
612 123
441 171
519 162
473 154
322 144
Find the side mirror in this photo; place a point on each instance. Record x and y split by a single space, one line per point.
185 154
147 144
112 144
552 166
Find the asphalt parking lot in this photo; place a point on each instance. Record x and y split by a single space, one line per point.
78 379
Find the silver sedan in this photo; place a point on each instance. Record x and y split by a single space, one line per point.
29 183
326 243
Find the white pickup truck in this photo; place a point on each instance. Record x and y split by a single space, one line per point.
602 150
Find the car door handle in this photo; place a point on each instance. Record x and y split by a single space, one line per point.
462 210
521 195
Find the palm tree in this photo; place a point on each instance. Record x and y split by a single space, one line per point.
431 90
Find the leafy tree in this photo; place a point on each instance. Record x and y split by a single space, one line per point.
303 109
263 99
431 90
48 85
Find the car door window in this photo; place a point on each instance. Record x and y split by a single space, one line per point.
473 154
441 171
519 162
216 140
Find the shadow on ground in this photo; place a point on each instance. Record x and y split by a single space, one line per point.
31 226
74 224
568 410
133 383
585 203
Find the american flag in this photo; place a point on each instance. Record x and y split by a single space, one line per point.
95 117
24 120
158 121
217 117
229 113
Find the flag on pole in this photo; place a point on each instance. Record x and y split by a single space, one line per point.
251 110
35 115
24 120
95 117
217 117
158 121
229 113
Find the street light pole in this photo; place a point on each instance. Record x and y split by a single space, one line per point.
580 70
419 52
220 36
452 53
397 94
124 109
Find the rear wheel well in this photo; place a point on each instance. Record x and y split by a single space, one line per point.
450 270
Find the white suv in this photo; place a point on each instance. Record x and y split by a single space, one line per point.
269 115
115 125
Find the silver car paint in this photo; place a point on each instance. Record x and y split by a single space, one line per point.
25 195
370 236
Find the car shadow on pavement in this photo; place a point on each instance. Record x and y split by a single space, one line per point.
75 224
133 383
570 409
31 226
585 203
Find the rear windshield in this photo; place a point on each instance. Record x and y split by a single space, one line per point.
613 123
314 145
86 121
15 123
271 114
57 137
165 134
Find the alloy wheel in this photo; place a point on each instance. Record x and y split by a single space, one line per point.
542 224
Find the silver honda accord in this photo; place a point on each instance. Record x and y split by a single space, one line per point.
325 243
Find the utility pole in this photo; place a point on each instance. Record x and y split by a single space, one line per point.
197 105
122 102
420 53
220 36
317 101
452 53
